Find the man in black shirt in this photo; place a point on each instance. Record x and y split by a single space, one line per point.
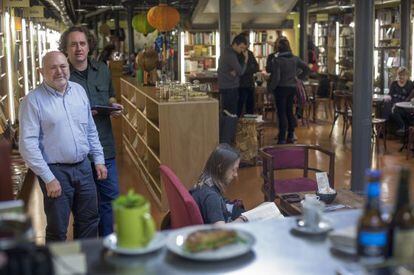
95 77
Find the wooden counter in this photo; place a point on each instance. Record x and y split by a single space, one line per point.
180 135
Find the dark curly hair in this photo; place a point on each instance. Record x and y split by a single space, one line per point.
63 42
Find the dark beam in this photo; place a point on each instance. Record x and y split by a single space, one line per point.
405 31
224 24
362 94
303 39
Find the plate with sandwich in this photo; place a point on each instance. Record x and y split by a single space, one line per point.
210 243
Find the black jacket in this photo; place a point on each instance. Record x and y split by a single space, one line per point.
284 68
252 67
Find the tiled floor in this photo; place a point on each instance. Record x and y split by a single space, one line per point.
248 185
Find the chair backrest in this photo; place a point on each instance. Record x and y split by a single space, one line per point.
342 101
183 208
287 157
291 156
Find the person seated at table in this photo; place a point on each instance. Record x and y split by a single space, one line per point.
219 171
401 90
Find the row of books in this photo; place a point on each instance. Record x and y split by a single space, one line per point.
260 50
200 38
198 65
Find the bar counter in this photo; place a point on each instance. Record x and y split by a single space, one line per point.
277 251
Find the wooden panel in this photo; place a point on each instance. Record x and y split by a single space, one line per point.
188 135
180 135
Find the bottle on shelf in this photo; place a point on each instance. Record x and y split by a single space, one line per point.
372 229
401 234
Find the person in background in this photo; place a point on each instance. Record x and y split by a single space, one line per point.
220 170
229 72
312 57
106 53
95 77
246 84
284 68
57 133
228 75
401 89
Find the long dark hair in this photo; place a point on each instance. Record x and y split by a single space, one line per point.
63 42
219 162
283 45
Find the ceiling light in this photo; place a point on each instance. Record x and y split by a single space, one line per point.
81 10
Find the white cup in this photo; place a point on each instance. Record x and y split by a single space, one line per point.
312 211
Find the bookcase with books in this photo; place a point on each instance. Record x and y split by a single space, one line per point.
200 51
261 44
387 46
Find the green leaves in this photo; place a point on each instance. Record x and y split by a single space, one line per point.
130 200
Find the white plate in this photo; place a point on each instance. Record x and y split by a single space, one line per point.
176 240
323 227
156 243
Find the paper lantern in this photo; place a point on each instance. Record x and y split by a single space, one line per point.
140 24
163 17
104 29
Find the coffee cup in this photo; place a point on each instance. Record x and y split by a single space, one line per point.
312 211
133 222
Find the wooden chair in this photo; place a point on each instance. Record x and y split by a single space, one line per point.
184 210
342 101
292 157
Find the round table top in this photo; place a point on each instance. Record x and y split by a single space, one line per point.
405 105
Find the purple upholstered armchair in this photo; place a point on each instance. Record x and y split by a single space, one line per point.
294 157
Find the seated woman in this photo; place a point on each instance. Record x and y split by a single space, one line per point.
401 90
219 171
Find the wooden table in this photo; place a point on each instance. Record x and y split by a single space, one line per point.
345 197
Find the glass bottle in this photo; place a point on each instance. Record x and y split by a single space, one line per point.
372 229
401 242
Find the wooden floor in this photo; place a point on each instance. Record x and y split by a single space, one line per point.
248 185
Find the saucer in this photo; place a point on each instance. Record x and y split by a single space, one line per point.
158 241
323 227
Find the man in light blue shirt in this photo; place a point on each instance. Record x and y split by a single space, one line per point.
57 132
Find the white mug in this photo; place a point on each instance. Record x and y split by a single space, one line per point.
311 197
312 211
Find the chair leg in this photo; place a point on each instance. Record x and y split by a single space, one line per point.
333 124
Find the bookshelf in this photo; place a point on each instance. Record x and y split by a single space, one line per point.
180 135
200 51
387 55
346 52
321 42
261 44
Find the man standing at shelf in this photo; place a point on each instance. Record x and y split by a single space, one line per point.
57 133
228 74
246 84
95 77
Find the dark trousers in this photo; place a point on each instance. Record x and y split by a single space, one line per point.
108 190
229 100
78 195
401 118
246 97
284 103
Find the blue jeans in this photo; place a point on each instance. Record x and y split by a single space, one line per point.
78 196
108 190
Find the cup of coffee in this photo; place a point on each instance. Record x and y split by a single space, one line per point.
312 210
